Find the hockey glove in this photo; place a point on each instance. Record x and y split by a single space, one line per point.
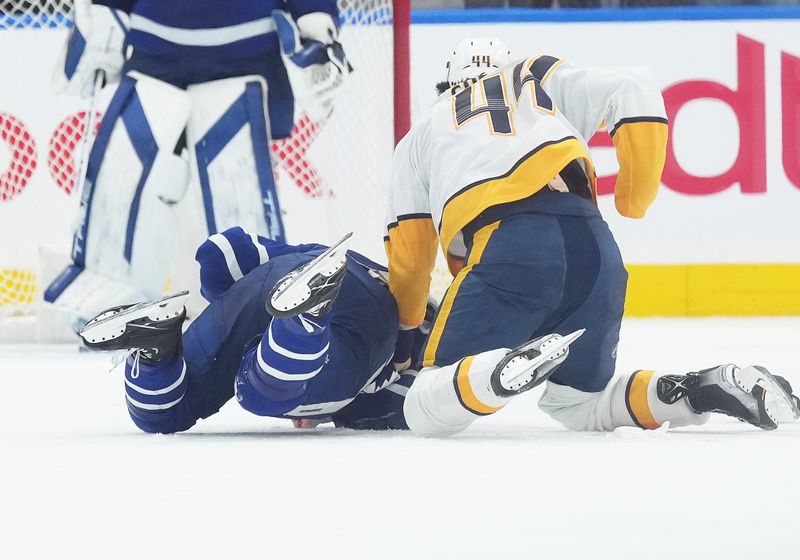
315 61
96 43
403 349
409 341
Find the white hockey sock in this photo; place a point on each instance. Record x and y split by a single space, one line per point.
628 400
649 411
446 400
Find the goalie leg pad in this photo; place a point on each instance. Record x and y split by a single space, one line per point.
123 229
228 135
81 294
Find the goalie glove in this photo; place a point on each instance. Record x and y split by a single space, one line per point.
96 43
315 61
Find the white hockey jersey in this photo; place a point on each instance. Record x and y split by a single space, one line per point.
503 139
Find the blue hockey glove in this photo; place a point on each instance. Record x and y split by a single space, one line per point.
403 348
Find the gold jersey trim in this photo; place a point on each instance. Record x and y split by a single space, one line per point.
525 178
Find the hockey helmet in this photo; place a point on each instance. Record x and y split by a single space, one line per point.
475 56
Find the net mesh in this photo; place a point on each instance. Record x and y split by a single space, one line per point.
21 14
331 174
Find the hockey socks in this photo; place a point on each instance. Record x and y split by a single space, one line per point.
154 387
648 399
652 398
294 349
444 401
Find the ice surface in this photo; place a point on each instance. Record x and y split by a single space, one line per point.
78 481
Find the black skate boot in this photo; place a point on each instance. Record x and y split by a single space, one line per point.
312 287
751 394
153 328
531 364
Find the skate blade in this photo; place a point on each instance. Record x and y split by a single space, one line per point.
320 265
552 352
777 402
108 327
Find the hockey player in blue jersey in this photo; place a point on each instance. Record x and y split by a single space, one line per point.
203 87
300 332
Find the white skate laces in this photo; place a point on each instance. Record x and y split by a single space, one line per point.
121 357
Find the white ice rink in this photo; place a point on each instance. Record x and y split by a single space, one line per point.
78 480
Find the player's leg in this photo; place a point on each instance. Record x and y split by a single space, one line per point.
446 400
156 378
125 228
647 399
274 377
513 279
584 395
213 346
317 362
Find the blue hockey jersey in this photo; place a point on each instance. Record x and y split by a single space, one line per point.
185 42
220 348
210 29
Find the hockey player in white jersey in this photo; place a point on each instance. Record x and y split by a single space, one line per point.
498 173
203 87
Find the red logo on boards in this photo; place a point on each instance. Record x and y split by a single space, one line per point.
748 102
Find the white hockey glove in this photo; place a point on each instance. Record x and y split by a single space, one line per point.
314 60
96 43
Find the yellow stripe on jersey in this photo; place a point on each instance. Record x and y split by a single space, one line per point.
411 249
466 396
527 177
636 400
479 242
641 147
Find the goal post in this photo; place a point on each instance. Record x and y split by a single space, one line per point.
332 176
402 68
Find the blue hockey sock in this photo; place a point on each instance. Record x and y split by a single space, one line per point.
155 386
294 349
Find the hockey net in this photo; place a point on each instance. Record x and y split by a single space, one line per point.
331 176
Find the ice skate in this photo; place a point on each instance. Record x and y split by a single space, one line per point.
531 364
752 394
312 287
154 327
